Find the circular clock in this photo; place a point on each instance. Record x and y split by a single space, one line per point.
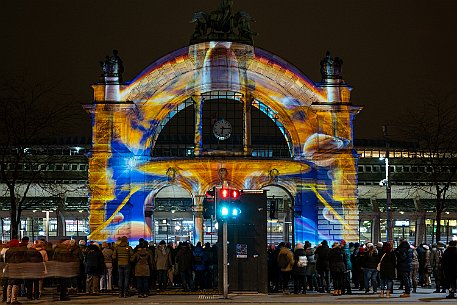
222 129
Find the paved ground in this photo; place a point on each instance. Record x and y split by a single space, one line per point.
423 296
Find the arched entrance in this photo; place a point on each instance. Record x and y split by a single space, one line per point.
173 217
280 214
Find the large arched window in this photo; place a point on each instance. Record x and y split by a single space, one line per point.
175 136
269 138
222 128
222 121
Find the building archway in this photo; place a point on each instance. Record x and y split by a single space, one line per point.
172 215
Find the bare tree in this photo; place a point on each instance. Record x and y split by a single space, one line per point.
29 114
433 126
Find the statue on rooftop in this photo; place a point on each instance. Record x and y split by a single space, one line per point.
112 66
221 24
331 68
242 21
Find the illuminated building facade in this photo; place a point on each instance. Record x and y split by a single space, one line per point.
223 112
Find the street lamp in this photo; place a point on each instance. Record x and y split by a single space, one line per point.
386 182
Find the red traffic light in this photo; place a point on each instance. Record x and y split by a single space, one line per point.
225 193
235 194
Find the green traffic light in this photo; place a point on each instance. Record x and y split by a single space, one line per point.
224 211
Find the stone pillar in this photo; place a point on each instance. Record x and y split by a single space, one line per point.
198 219
287 222
420 223
198 105
247 147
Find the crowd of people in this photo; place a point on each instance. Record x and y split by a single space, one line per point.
370 268
94 267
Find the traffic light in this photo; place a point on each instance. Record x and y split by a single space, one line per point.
228 204
273 209
208 204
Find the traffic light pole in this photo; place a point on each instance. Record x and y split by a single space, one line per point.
225 283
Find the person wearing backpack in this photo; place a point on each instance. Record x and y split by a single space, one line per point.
404 266
142 260
299 269
199 266
285 263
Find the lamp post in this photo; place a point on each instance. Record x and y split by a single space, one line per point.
386 182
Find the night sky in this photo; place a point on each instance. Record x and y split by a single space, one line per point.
394 51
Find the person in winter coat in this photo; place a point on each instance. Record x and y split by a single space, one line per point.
67 265
163 264
94 268
449 264
40 247
346 289
286 263
122 255
184 259
142 261
37 271
274 271
370 272
404 266
337 266
414 269
82 278
15 255
436 260
357 267
427 266
299 269
311 276
322 266
199 266
107 275
387 265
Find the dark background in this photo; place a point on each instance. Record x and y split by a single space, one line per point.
394 51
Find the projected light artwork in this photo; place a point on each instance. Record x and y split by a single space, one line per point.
222 87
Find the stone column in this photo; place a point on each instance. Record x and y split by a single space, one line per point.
247 147
198 218
198 106
420 223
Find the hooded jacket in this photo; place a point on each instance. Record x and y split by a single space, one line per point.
123 253
162 257
143 262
